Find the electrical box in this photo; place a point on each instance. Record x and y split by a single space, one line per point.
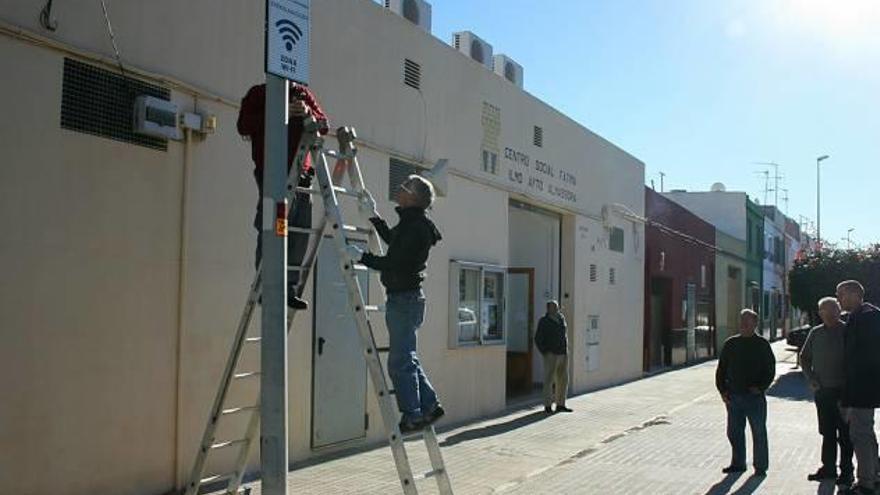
157 117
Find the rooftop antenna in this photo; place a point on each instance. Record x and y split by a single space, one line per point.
775 178
785 199
766 174
662 175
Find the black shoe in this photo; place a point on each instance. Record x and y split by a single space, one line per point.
760 473
562 409
436 413
733 469
296 303
845 479
548 409
822 474
411 426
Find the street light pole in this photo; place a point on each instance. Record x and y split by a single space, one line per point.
848 241
818 199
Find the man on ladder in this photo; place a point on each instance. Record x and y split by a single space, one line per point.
409 243
251 123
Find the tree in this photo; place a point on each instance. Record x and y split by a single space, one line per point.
817 274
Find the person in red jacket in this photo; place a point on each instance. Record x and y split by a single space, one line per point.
251 126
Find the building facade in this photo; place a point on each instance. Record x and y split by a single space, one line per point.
150 255
679 284
731 262
773 316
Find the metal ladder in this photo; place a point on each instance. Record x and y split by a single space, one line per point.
333 225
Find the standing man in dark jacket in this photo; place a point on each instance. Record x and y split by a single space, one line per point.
822 360
402 267
251 126
746 369
861 392
551 339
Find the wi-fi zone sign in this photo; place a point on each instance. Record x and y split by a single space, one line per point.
287 39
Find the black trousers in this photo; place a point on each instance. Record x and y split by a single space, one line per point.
298 215
834 431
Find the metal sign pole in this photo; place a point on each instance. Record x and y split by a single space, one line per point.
273 380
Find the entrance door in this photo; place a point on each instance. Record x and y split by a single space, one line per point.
521 317
534 241
339 372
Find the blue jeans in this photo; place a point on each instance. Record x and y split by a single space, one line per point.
404 314
751 407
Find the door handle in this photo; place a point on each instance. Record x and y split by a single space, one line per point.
321 341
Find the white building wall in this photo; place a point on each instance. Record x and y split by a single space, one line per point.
725 210
116 365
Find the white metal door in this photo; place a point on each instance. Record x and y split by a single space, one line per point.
339 379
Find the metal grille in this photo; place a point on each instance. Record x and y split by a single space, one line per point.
412 74
538 137
398 171
99 102
593 273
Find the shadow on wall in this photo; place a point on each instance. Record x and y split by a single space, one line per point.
791 386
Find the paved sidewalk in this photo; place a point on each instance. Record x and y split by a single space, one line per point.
660 435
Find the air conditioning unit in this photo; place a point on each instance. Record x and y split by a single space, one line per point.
508 69
157 117
471 45
417 12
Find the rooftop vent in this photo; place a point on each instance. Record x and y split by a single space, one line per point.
471 45
508 69
718 187
417 12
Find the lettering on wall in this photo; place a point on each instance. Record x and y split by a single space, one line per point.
539 176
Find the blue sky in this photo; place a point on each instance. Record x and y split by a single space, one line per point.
701 89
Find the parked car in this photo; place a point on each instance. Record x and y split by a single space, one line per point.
798 336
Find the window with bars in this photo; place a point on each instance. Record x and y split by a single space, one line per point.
100 102
398 171
412 74
612 276
538 137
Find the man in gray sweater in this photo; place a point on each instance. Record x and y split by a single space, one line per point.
822 360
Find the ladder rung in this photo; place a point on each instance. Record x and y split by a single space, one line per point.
374 308
337 189
356 229
434 472
236 410
303 230
296 268
217 477
249 374
383 349
253 340
361 268
230 443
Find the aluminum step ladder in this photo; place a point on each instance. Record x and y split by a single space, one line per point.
331 224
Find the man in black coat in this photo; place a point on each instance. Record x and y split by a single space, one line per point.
402 273
861 391
552 341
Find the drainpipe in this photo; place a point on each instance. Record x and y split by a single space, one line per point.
181 299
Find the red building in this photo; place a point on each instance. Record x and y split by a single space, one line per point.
679 284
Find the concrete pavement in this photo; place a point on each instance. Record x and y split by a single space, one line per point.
660 435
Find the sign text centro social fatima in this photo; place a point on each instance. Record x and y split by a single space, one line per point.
287 39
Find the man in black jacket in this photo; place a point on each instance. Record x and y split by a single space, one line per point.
552 341
746 369
861 391
402 267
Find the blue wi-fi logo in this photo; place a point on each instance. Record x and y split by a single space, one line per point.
290 33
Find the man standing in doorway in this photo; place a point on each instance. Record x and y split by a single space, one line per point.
251 126
861 391
823 364
746 369
402 267
551 339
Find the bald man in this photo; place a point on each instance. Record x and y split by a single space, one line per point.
822 361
